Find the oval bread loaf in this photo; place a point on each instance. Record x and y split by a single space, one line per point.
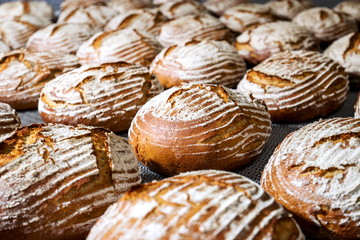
9 121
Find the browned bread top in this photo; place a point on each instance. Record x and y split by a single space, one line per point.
123 6
202 205
56 180
108 95
288 9
194 127
40 9
220 6
350 7
178 8
297 85
315 173
80 3
9 121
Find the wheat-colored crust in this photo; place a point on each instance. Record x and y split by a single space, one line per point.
40 9
9 121
315 173
288 9
350 7
179 8
66 4
123 6
218 7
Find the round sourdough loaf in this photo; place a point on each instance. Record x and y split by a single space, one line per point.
218 7
326 24
179 8
288 9
246 15
23 75
315 173
60 38
123 6
9 121
65 4
199 205
194 127
147 20
297 86
108 95
129 45
40 9
351 7
56 180
259 43
193 27
207 61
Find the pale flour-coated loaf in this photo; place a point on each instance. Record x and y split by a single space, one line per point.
203 205
179 8
108 95
23 75
129 45
94 15
40 9
259 43
15 31
193 27
288 9
350 7
9 121
218 7
297 85
148 20
56 180
123 6
326 24
246 15
3 47
194 127
60 38
207 61
315 173
80 3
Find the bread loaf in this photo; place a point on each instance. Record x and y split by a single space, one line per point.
297 86
315 173
148 20
190 27
80 3
199 205
40 9
60 38
207 61
255 45
288 9
108 95
57 180
9 121
194 127
179 8
326 24
129 45
123 6
350 7
23 75
3 47
246 15
218 7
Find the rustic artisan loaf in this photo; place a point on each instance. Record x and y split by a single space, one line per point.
206 61
123 6
56 180
259 43
351 7
297 86
195 127
80 3
9 121
40 9
94 15
326 24
3 47
129 45
148 20
16 31
218 7
288 9
60 38
193 27
178 8
315 173
23 75
199 205
108 95
246 15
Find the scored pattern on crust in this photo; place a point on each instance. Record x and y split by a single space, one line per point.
40 9
326 24
206 61
148 20
9 121
123 6
108 95
129 45
192 27
196 205
194 127
57 180
318 169
288 9
255 45
60 38
23 74
220 6
295 81
65 4
351 8
179 8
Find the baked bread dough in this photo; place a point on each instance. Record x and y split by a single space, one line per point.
351 7
123 6
218 7
288 9
9 121
40 9
179 8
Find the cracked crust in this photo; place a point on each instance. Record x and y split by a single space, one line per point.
314 173
288 9
9 121
65 176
